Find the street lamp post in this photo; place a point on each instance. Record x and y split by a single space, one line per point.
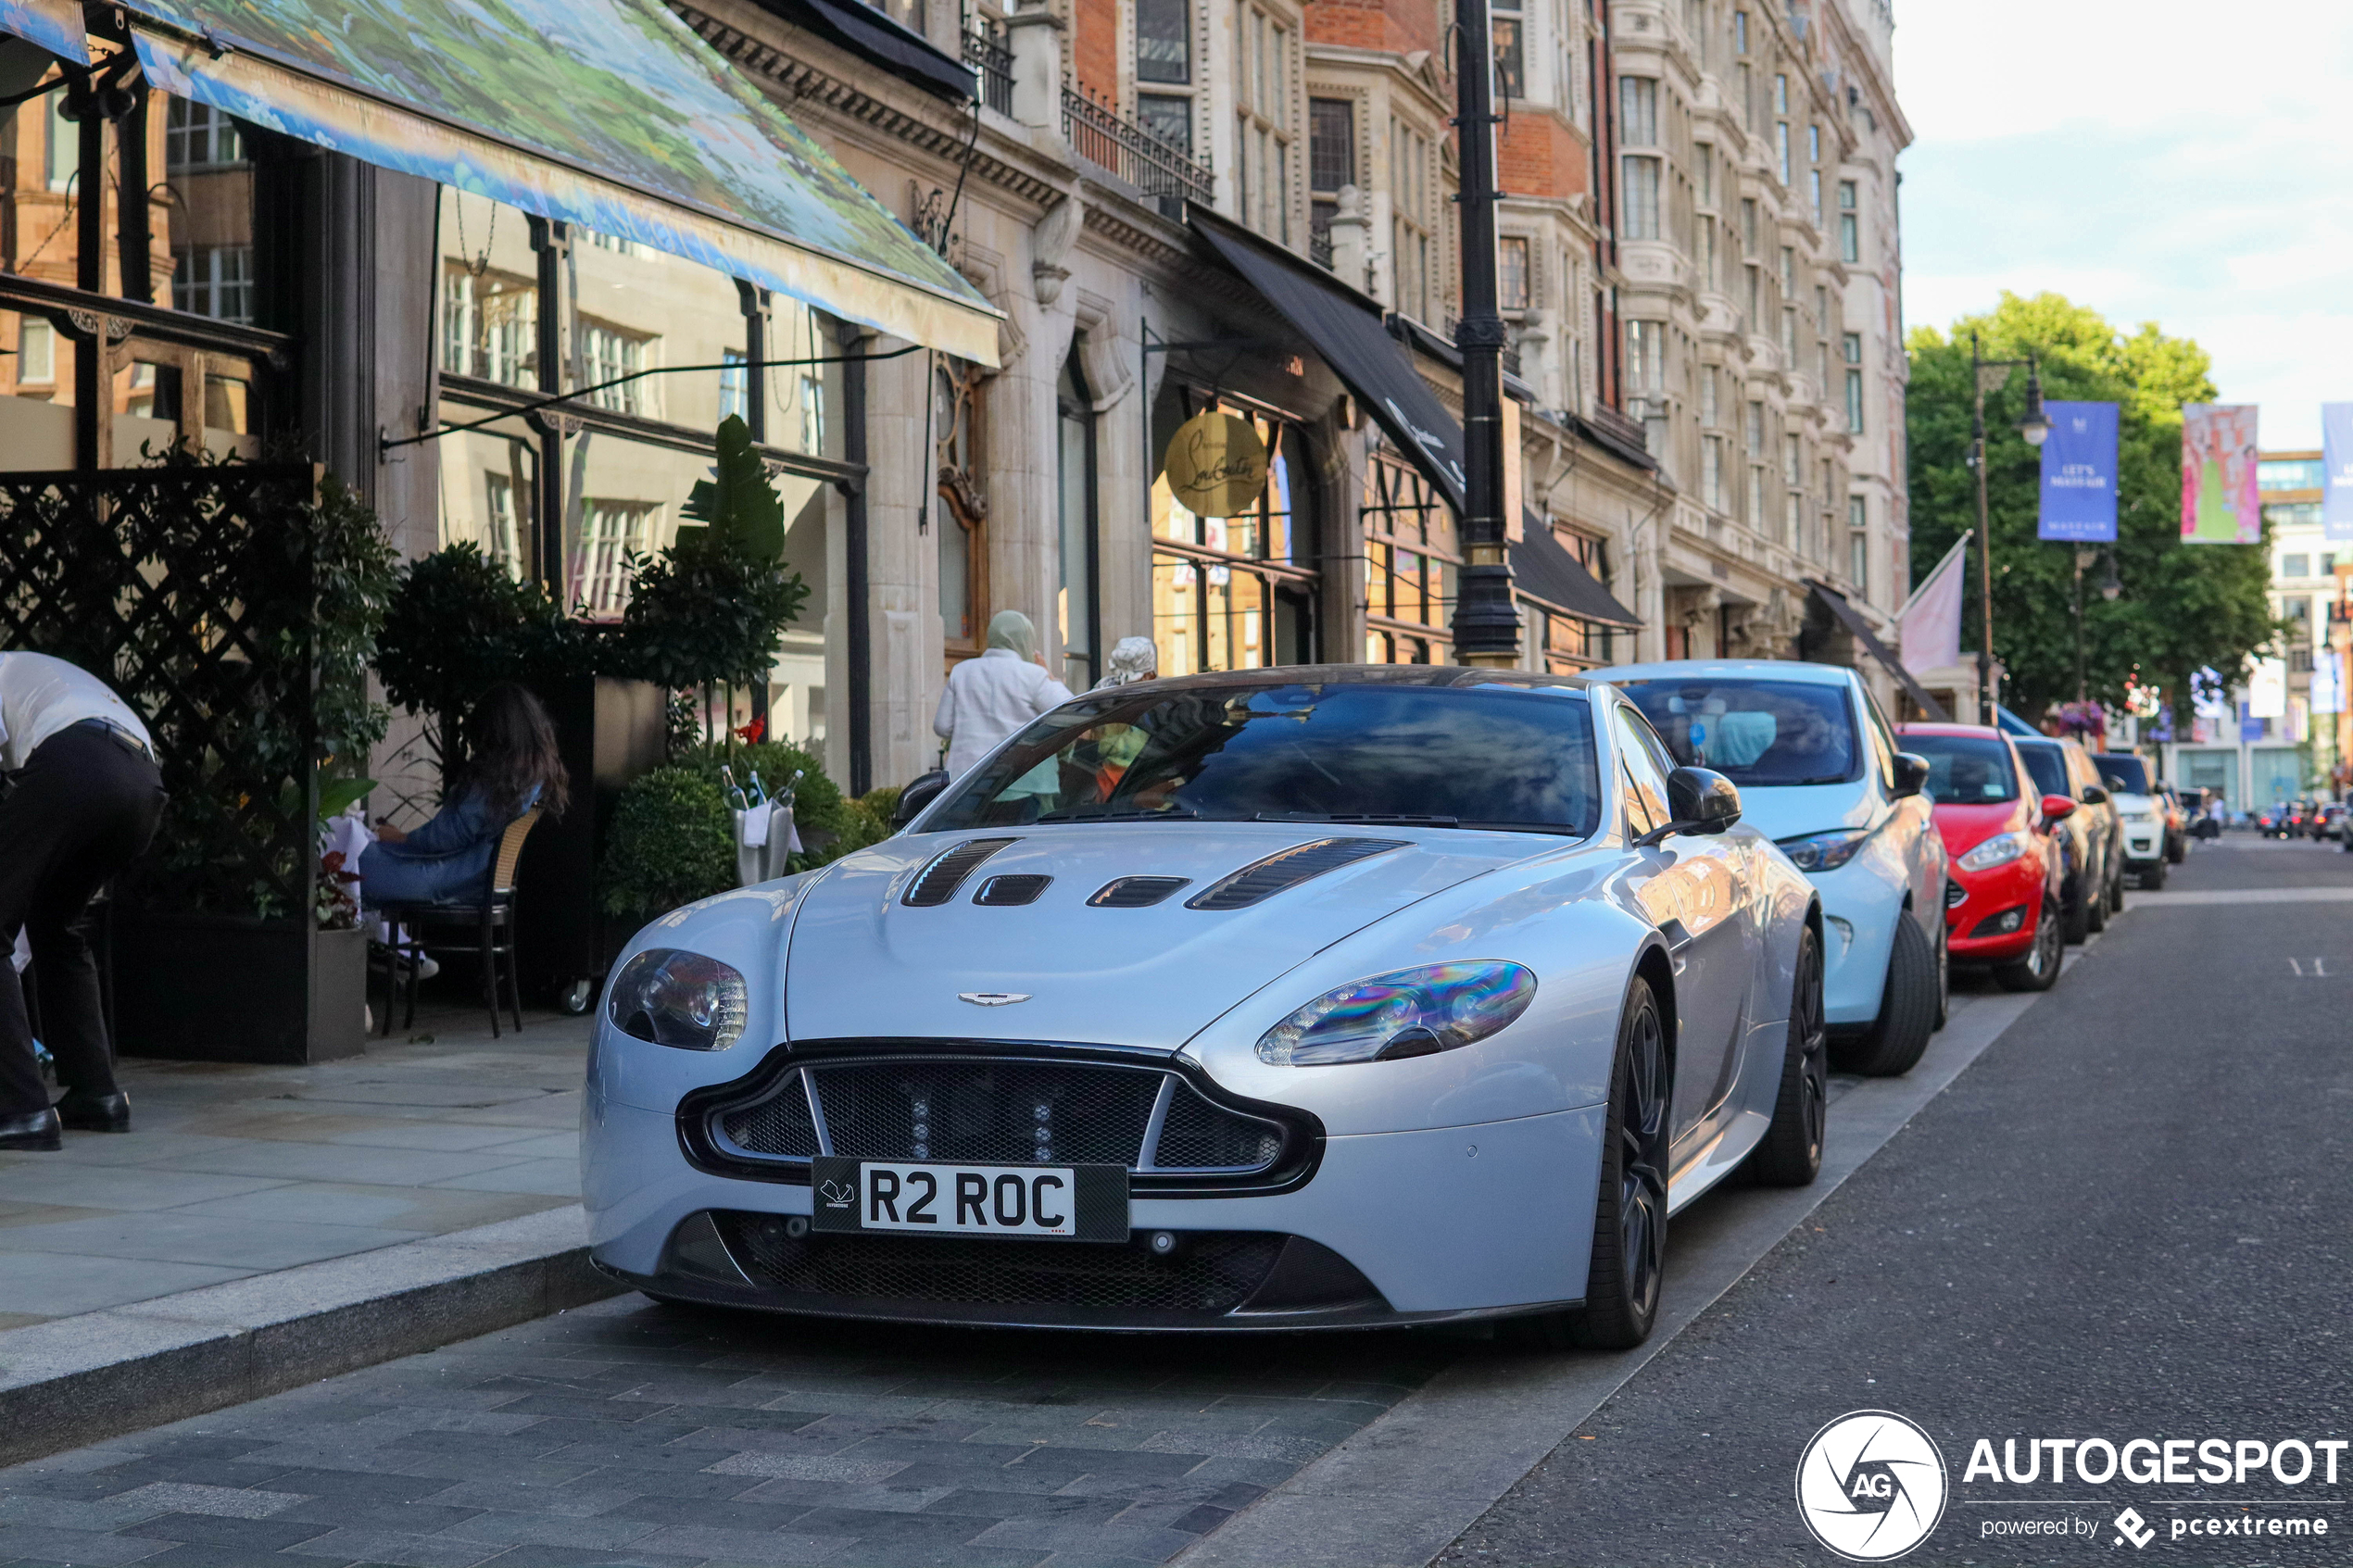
1486 626
2109 588
1988 375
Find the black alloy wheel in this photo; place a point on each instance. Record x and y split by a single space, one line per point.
2039 970
1626 1266
1790 1155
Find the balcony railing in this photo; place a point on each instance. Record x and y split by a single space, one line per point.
992 61
1319 247
1160 168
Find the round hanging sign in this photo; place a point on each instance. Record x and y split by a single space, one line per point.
1216 465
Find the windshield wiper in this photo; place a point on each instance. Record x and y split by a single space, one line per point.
1078 814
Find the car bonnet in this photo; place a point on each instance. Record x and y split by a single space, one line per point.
865 964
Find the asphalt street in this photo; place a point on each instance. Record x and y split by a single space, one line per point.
2123 1219
2127 1219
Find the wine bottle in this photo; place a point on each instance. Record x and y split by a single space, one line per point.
752 787
736 801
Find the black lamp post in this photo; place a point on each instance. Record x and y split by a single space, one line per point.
1987 375
2109 586
1485 625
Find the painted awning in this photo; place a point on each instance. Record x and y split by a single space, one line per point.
1544 571
880 38
1836 602
610 114
56 25
1345 328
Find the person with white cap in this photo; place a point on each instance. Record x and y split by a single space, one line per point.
86 800
1132 660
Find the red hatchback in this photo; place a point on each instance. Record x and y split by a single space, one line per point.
2002 905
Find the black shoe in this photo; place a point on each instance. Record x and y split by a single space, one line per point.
35 1130
95 1113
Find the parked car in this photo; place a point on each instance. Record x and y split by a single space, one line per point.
2092 876
2278 820
2003 907
2325 821
2139 813
2179 815
1819 770
1312 997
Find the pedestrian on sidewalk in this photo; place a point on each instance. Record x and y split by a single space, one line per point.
992 697
1132 660
85 802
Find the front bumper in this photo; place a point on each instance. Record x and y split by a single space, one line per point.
2145 841
1477 1221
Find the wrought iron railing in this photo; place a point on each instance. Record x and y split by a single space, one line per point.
1319 247
1155 166
992 61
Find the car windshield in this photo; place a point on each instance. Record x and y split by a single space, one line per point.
2129 772
1966 770
1504 756
1755 732
2048 767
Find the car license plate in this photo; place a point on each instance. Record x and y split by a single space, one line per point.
1071 1202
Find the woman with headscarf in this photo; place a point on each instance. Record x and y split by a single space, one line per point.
996 695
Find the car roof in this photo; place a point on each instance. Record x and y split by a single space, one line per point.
1357 675
1727 670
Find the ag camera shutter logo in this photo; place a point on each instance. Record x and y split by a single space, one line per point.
1871 1485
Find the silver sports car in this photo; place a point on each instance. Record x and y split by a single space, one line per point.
1312 997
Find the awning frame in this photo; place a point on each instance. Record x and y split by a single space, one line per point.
1846 614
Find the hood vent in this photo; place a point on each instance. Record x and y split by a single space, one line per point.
1000 892
938 881
1137 892
1262 880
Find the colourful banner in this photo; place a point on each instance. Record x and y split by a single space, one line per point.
2336 452
2079 474
56 25
2218 501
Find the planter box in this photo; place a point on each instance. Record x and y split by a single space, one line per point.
211 988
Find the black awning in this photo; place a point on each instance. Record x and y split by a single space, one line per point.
1345 329
1836 602
874 36
1544 571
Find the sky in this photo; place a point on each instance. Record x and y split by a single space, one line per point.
2166 161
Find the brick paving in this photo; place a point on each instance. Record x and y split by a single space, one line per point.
632 1433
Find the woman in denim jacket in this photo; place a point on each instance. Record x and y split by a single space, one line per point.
511 766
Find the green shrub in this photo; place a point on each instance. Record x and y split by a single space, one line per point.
670 842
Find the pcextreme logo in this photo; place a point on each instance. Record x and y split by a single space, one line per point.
1871 1485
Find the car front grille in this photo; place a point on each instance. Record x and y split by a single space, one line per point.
1214 1272
1955 894
994 1111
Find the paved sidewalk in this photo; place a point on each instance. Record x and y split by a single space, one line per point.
233 1170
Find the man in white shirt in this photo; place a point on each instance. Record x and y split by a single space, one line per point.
84 801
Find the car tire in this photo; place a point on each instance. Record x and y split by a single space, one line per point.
2075 925
2039 970
2096 908
1790 1155
1625 1272
2116 889
1906 1010
2177 849
2153 876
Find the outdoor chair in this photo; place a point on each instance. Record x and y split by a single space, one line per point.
492 924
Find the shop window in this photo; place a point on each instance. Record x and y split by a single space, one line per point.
199 136
735 384
36 353
607 354
609 533
214 281
489 325
1411 561
1236 593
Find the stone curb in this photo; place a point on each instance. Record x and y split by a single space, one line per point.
79 1380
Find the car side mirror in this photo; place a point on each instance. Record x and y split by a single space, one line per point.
2094 795
915 797
2057 808
1911 773
2116 785
1699 800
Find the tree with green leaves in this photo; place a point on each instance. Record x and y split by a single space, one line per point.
2180 607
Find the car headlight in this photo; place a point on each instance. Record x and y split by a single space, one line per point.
1998 851
1410 1012
673 997
1825 851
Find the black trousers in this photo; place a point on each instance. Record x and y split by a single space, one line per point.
83 807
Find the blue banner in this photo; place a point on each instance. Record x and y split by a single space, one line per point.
2336 454
2079 474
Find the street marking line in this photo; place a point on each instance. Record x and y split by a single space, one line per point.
1398 1492
2209 896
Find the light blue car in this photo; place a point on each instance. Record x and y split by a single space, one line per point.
1819 771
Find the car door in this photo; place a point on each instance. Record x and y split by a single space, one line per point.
1702 880
1914 826
2091 797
